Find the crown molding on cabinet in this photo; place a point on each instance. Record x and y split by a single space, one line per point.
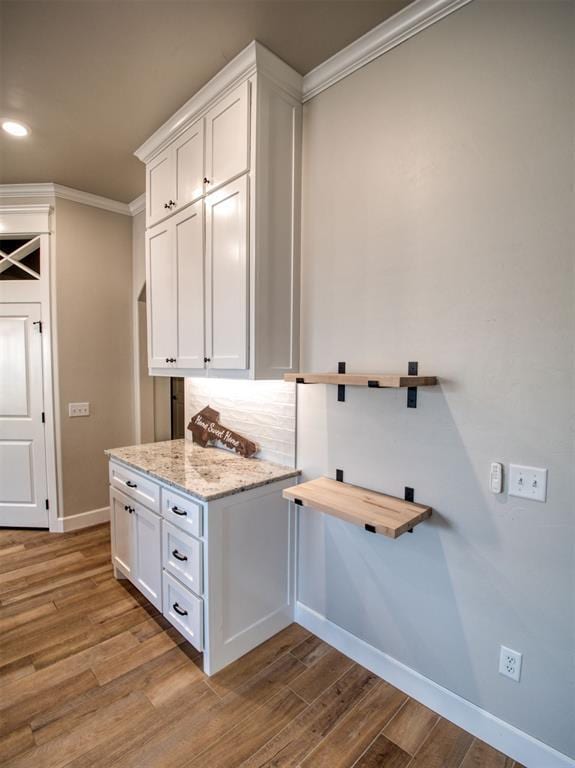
51 191
25 219
255 57
391 32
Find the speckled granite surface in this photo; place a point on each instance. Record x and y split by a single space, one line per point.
206 473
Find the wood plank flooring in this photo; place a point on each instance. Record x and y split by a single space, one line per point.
91 675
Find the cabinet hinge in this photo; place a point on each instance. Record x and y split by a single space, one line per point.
47 504
39 324
43 417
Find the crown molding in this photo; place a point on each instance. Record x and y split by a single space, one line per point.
392 32
25 219
138 205
254 58
51 191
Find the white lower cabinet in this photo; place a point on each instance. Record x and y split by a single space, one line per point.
221 571
185 610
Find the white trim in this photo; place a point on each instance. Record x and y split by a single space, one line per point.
400 27
138 205
501 735
52 191
255 57
24 219
82 520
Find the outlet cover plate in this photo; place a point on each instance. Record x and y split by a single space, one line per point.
527 482
510 663
78 409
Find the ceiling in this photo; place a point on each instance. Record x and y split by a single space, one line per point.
94 78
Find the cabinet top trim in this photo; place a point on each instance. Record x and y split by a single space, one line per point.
254 58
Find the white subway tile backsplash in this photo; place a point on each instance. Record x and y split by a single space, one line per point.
263 411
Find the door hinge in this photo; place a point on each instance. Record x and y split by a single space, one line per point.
43 417
47 504
39 324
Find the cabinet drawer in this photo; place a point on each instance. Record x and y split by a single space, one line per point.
184 610
182 556
134 485
182 511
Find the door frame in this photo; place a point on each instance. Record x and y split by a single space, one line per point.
35 221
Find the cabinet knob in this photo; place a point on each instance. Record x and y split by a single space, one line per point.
207 359
206 180
170 359
166 205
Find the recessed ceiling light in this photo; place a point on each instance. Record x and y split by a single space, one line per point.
14 128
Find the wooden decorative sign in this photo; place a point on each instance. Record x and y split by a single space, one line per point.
205 428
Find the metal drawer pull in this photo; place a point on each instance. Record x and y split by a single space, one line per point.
130 484
177 609
178 556
177 511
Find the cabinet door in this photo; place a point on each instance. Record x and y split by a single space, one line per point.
148 554
227 276
122 533
161 297
189 245
188 161
160 187
228 137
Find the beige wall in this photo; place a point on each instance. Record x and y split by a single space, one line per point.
438 226
93 278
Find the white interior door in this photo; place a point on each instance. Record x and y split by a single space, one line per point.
23 491
162 297
228 137
189 242
227 276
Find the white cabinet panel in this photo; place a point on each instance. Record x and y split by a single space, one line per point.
136 486
189 245
228 137
182 511
147 554
184 610
188 164
159 186
122 533
227 276
162 295
182 556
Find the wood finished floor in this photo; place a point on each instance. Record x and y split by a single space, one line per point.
92 675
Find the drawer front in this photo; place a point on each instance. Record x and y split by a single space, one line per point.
182 556
182 511
184 610
134 485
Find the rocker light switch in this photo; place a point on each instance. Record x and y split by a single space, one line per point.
528 482
78 409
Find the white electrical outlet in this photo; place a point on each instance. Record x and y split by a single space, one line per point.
510 663
527 482
78 409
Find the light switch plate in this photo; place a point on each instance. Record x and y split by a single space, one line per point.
78 409
527 482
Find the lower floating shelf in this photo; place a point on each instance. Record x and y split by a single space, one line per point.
376 512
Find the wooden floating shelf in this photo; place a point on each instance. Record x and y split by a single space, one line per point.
376 512
383 380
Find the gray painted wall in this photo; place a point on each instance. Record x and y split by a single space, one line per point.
438 226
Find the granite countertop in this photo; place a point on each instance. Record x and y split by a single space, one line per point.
206 473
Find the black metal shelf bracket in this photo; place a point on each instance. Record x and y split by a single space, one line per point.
341 387
409 495
412 391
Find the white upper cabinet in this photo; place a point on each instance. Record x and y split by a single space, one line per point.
223 178
175 177
228 138
227 276
189 249
161 297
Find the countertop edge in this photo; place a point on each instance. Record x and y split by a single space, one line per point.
109 452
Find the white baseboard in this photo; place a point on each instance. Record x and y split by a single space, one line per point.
83 520
485 726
